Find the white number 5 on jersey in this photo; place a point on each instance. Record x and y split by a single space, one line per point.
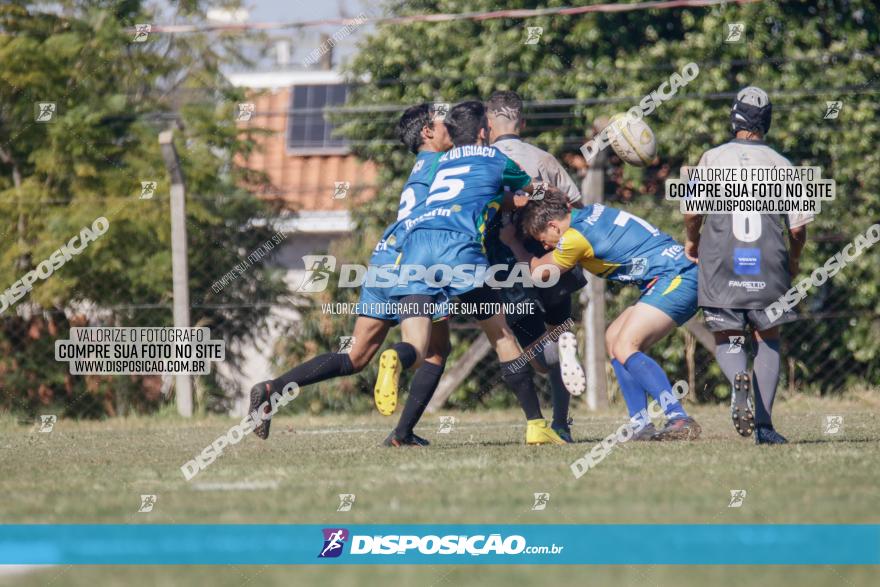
444 186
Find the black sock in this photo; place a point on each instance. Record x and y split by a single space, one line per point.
321 368
765 379
520 381
561 398
407 354
421 389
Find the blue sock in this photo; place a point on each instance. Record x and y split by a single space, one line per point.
633 394
651 377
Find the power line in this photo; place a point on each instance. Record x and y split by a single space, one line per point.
535 104
442 17
824 58
568 102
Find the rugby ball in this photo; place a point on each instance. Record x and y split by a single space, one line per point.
632 140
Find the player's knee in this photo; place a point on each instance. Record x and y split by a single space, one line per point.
436 360
495 329
539 365
622 349
610 339
360 355
437 354
439 351
359 361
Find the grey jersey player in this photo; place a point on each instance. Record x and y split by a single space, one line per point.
745 266
505 119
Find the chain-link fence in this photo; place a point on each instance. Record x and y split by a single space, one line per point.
827 350
62 273
242 283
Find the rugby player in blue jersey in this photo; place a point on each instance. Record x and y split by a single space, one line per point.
426 136
468 190
616 245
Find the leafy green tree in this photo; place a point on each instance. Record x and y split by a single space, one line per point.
594 65
112 97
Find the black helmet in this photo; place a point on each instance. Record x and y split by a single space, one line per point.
751 111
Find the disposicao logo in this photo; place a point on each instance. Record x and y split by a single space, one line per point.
334 540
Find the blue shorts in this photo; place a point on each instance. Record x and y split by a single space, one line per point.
376 302
674 295
450 260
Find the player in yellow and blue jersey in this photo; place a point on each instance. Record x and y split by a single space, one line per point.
614 244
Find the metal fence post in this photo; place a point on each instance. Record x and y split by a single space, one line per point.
593 188
179 264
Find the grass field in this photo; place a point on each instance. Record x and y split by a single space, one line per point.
95 472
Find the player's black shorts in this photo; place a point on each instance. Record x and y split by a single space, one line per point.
551 305
484 299
720 319
527 328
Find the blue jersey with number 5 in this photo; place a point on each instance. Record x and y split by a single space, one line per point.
412 203
466 190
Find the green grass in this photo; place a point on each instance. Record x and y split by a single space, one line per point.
447 576
95 472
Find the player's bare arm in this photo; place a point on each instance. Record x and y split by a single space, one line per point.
521 197
692 224
797 238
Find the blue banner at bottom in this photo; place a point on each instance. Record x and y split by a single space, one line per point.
694 544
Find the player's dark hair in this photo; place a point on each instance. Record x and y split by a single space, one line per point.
410 125
464 122
506 104
537 213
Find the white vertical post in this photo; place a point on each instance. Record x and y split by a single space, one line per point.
179 263
593 191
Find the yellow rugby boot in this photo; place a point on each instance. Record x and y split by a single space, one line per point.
385 392
539 432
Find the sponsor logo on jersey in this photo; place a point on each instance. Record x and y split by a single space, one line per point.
638 266
597 211
674 252
746 261
385 244
747 285
410 223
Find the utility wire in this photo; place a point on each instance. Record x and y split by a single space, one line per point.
442 17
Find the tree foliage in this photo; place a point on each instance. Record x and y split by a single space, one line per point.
113 96
803 53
